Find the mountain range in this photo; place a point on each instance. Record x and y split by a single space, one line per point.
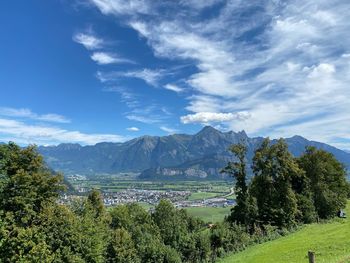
178 156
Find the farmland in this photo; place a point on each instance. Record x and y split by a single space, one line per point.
193 193
116 183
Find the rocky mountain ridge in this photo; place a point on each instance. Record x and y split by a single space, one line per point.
201 155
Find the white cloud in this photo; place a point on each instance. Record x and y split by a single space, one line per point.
210 117
128 97
214 61
104 58
199 4
174 88
89 41
134 129
141 118
321 70
168 130
149 114
122 7
21 132
285 63
149 76
27 113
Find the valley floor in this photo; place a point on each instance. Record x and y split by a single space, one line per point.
330 241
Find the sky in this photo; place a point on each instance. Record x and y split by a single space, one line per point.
87 71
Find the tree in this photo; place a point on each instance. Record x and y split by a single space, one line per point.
93 231
243 211
121 248
61 228
96 202
327 178
26 183
198 247
173 229
26 187
274 167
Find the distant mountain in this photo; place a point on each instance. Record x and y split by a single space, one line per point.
176 156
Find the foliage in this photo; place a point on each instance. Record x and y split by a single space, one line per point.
34 227
274 167
284 191
121 248
26 183
237 169
328 185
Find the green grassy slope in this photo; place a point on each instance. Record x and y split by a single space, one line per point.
330 241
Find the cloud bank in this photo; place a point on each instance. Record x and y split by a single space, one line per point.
285 64
21 126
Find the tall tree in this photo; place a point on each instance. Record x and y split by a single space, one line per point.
242 212
96 201
327 181
121 248
26 183
274 167
26 187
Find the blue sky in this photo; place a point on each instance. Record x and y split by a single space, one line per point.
87 71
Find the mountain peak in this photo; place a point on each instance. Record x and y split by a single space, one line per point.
298 138
208 129
205 151
243 134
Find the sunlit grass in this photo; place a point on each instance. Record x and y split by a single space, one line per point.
330 241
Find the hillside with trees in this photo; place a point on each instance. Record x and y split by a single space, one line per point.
284 193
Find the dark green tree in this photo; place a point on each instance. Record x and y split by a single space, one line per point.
26 183
121 248
96 201
26 187
274 167
62 230
244 210
93 231
327 178
173 229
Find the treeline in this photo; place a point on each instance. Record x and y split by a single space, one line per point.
285 191
34 227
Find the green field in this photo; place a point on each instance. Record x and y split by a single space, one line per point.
209 214
330 241
115 184
203 195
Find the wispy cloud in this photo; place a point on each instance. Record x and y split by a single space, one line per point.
141 118
133 129
88 40
129 98
104 58
140 109
210 117
199 4
174 88
149 76
122 7
27 113
24 133
285 63
168 130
